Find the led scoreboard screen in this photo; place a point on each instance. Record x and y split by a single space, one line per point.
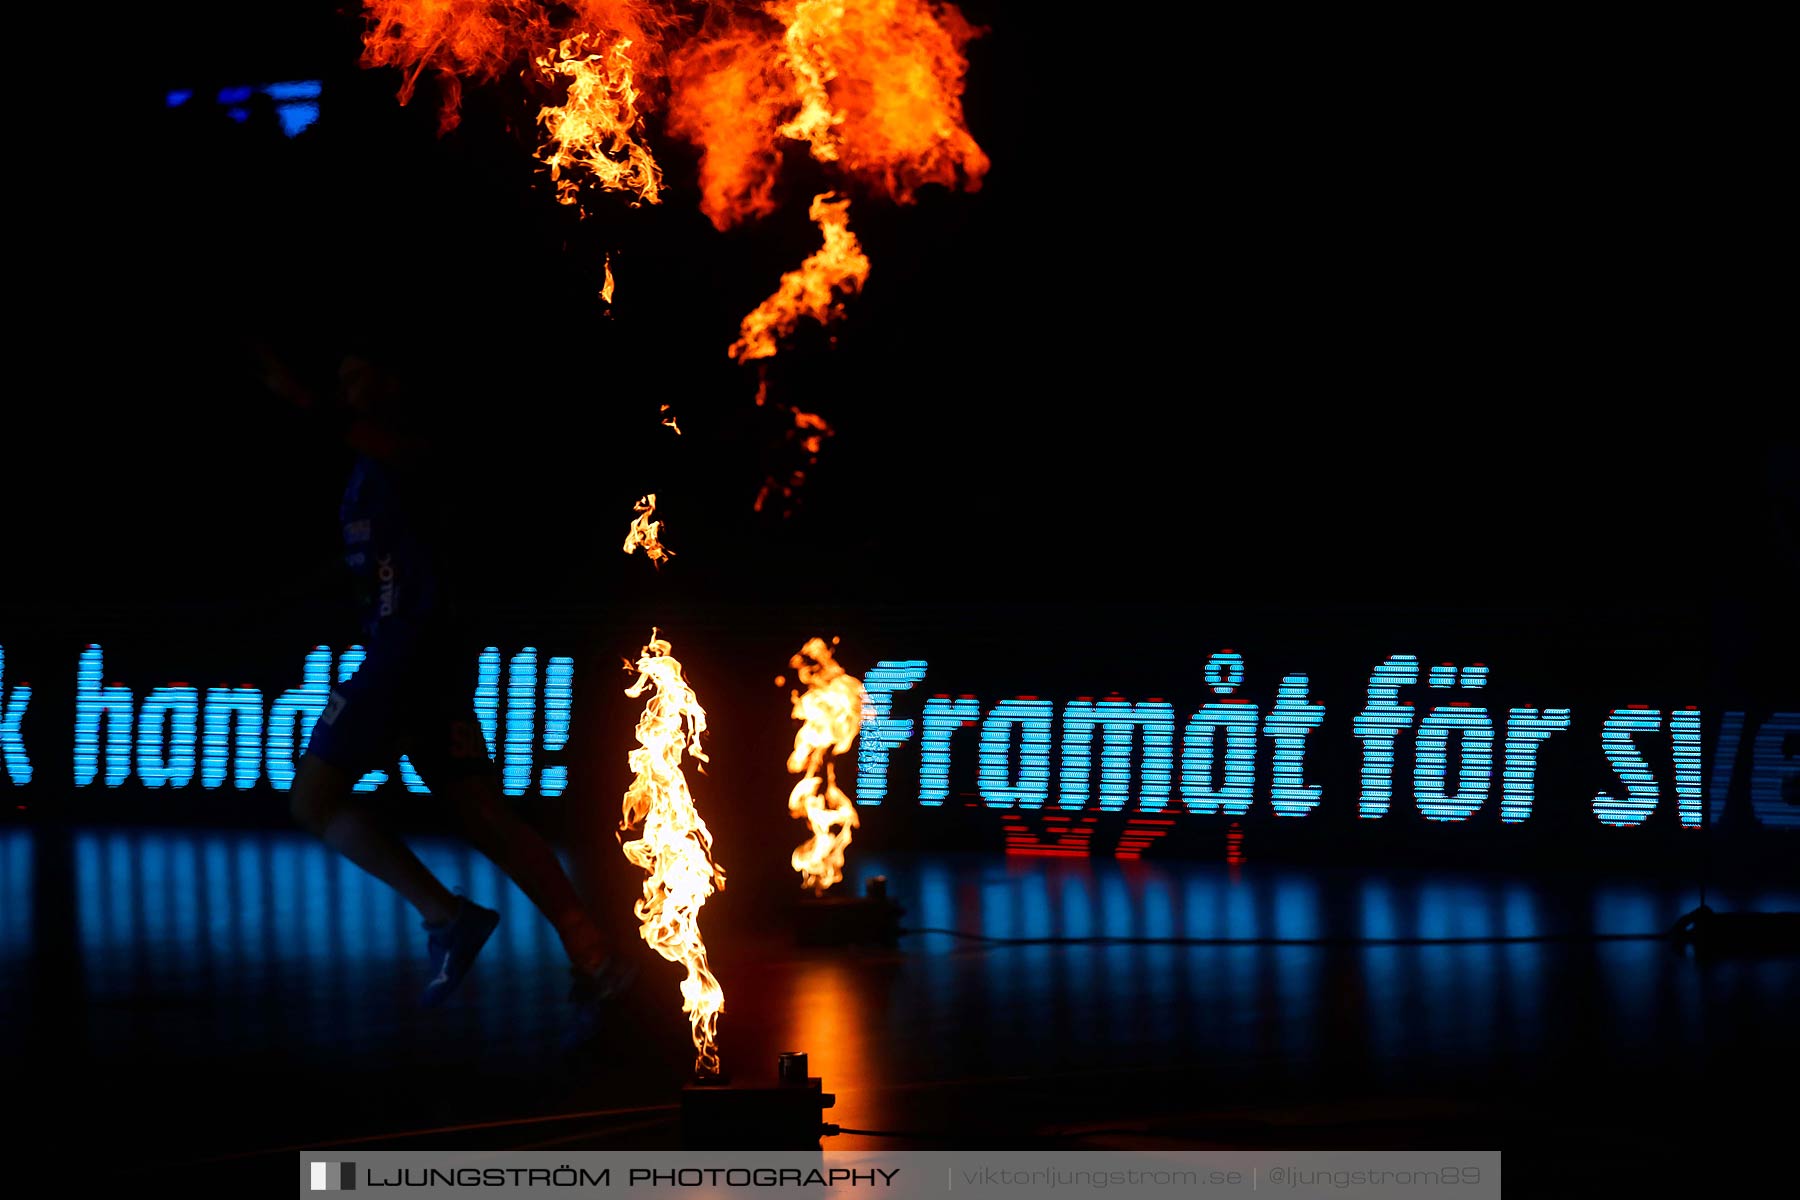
1402 740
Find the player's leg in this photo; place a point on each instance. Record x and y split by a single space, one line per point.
455 765
356 733
322 801
528 861
462 773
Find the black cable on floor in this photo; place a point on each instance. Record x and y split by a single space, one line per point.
897 1133
1492 940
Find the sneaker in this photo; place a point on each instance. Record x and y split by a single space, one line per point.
453 947
593 994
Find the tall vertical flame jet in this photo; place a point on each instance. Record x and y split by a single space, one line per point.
675 848
874 89
830 712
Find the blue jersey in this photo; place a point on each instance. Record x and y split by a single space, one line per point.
411 694
397 582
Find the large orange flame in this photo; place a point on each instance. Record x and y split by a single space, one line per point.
472 39
596 131
644 532
598 51
726 97
874 86
675 848
880 89
812 289
830 712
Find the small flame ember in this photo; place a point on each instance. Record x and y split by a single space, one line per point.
606 288
830 710
675 848
809 433
813 440
838 266
644 531
597 130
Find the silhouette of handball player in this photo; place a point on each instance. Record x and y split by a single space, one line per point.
413 696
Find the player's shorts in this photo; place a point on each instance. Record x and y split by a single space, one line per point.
405 699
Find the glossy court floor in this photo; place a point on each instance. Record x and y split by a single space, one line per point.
177 997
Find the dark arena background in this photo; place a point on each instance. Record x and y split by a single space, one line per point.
1317 538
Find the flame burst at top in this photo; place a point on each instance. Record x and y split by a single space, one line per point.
830 712
872 87
675 848
459 39
597 53
875 87
596 131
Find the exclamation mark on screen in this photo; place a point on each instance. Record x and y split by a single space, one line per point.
487 696
521 720
559 698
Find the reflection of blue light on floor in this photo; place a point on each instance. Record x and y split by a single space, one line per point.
1297 908
1159 916
1116 910
249 899
193 919
258 941
1521 911
217 882
997 908
288 895
1454 910
15 893
1075 909
1623 909
1037 915
1378 919
1240 915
